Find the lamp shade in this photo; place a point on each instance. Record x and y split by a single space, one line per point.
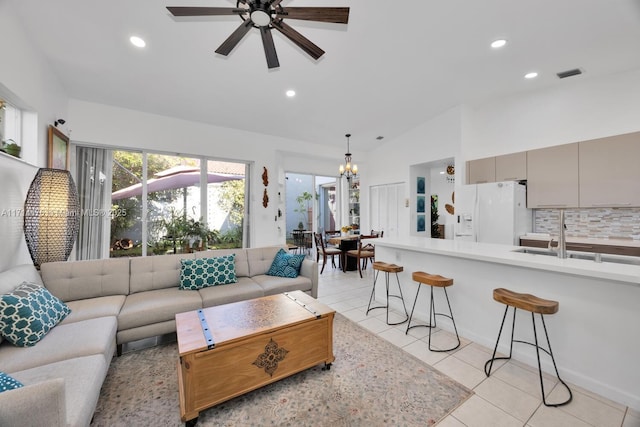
51 216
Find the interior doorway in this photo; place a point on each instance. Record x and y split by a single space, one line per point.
311 206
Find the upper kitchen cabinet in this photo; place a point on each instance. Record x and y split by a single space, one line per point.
481 171
609 172
552 177
511 167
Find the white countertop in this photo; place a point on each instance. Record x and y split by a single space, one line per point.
503 254
584 240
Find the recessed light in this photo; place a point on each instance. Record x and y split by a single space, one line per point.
137 41
498 43
441 172
291 93
531 75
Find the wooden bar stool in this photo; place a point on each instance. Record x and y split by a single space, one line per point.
434 281
387 268
534 305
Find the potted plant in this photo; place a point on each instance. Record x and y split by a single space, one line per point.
303 208
10 147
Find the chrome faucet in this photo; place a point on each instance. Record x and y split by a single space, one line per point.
562 242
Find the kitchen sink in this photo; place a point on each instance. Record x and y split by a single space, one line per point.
618 259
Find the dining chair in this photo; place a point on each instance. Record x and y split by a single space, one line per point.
364 252
326 252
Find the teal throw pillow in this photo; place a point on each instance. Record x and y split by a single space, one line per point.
203 272
286 265
8 383
28 313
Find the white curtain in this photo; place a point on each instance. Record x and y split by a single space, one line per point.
94 191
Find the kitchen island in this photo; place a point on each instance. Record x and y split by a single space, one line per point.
595 335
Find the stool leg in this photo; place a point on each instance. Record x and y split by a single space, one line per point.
489 362
412 310
402 298
373 291
535 335
432 307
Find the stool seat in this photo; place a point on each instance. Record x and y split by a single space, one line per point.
431 279
534 305
386 267
526 302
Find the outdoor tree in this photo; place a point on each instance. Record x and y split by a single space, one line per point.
232 200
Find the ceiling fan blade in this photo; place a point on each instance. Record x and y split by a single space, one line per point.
269 48
227 46
338 15
275 3
304 43
205 11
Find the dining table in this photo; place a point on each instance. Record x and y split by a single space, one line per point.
346 243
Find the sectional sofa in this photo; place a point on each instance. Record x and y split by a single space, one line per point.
113 302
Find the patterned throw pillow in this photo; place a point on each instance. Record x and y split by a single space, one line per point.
8 383
203 272
28 313
286 265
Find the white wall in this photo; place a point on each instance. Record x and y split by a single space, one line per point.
29 83
577 109
439 138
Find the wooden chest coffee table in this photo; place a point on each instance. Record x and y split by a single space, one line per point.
231 349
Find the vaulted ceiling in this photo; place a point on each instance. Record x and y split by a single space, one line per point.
392 67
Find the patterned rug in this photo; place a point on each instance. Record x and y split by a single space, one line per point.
371 383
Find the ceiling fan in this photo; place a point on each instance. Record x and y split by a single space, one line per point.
266 15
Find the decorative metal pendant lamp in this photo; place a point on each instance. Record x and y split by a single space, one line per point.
348 169
51 216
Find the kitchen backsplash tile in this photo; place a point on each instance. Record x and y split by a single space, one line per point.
611 223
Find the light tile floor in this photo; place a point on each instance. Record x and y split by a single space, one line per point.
510 397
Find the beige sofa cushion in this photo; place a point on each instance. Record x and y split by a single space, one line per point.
276 285
83 378
147 308
92 308
260 259
86 338
10 279
156 272
246 288
40 404
76 280
242 264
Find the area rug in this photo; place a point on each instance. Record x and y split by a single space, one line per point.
371 383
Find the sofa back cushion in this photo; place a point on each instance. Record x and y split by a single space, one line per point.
156 272
242 265
75 280
12 278
260 259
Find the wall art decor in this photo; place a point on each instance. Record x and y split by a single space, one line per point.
58 149
421 185
421 204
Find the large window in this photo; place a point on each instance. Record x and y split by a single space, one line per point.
161 204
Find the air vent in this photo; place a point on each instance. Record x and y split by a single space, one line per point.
569 73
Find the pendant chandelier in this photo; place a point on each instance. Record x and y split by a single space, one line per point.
348 169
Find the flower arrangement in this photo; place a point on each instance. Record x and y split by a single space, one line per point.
346 228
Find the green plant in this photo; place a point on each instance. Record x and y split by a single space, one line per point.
9 146
304 204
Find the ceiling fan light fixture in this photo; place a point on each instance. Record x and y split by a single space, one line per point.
260 18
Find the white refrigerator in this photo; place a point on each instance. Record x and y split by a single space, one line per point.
494 212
